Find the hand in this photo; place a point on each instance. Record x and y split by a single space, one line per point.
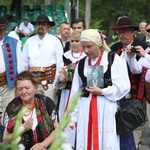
94 90
62 77
56 124
37 146
141 51
57 91
28 124
129 53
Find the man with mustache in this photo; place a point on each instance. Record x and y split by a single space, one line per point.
43 55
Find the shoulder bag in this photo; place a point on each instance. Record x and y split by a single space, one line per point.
129 116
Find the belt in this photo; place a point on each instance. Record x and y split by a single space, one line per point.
43 69
44 75
3 80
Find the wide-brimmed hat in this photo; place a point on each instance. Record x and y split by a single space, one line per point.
44 18
3 23
148 30
124 22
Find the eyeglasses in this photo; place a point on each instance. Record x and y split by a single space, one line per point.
74 41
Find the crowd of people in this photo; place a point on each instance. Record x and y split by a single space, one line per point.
50 70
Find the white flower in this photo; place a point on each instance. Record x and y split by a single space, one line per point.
21 147
72 121
20 129
18 139
65 146
64 135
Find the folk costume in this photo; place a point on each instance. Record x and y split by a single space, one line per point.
134 78
44 57
142 66
44 113
127 142
95 115
71 58
11 64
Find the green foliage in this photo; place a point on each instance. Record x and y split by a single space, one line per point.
18 131
65 121
104 12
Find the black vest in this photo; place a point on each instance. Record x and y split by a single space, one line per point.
107 74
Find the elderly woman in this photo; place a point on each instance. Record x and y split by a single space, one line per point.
40 120
70 58
95 113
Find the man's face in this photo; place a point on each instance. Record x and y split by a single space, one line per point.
25 22
2 33
126 35
42 28
65 30
78 26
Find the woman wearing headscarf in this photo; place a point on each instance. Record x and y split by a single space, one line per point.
40 119
95 113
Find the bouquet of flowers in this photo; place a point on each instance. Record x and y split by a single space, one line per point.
66 74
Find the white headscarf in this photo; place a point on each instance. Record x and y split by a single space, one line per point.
95 36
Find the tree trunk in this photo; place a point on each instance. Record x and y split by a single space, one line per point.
48 2
88 13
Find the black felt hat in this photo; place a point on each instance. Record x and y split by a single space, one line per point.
44 18
124 22
3 23
148 30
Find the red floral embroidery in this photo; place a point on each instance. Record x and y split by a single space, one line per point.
118 51
13 106
10 126
40 119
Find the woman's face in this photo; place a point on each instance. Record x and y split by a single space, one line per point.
75 45
25 90
91 50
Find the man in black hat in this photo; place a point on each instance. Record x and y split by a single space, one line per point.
43 55
114 38
125 48
128 41
10 65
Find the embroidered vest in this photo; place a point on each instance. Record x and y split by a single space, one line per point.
9 52
107 74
